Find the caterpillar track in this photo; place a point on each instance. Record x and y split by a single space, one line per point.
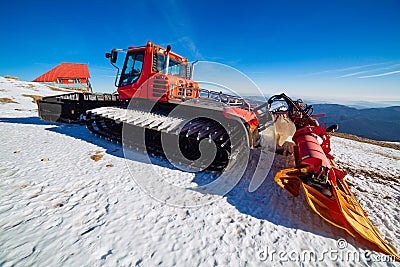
153 131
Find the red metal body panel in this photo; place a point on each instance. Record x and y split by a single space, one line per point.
247 116
310 153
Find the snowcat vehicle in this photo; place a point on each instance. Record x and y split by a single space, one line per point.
155 82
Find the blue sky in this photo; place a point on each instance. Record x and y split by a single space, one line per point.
340 50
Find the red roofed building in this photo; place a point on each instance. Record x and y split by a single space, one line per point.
67 75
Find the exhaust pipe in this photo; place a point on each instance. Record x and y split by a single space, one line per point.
167 60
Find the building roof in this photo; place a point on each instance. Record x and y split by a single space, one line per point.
65 70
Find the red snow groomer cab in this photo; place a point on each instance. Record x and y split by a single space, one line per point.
156 73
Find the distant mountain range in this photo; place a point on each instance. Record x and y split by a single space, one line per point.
356 104
374 123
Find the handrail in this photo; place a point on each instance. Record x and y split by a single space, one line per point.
221 97
225 98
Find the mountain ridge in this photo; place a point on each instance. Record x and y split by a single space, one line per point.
380 124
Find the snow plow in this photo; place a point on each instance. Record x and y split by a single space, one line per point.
323 184
158 103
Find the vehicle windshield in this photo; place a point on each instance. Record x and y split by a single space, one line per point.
175 68
132 68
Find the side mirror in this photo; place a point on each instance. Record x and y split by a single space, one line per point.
112 56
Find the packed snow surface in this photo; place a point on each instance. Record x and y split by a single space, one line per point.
68 198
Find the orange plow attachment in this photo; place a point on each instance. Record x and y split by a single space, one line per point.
341 210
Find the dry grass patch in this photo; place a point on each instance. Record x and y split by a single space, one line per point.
97 156
366 140
35 195
11 77
58 89
58 205
30 86
7 100
53 88
35 98
23 185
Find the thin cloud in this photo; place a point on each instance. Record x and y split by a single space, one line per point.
355 67
379 75
188 43
354 73
181 28
344 69
366 71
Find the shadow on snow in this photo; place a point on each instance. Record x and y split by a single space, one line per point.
268 203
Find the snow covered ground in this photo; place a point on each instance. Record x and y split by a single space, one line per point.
68 198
